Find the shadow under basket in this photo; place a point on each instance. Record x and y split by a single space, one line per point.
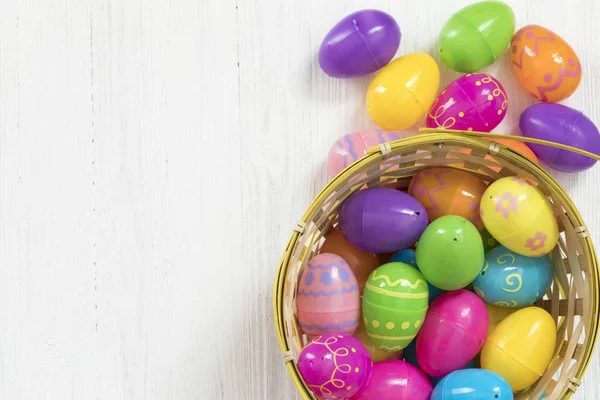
572 299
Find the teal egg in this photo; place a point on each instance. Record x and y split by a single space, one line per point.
509 279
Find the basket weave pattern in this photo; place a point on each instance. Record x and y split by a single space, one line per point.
572 299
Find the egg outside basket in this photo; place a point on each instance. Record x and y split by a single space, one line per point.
572 300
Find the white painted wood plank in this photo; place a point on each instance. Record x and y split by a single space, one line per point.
47 289
166 128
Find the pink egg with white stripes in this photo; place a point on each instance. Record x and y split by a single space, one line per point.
353 146
328 299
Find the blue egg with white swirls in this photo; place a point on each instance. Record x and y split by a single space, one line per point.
408 256
508 279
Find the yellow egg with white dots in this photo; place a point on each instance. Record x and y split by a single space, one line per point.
519 216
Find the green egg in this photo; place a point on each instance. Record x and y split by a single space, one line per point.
450 253
476 36
394 304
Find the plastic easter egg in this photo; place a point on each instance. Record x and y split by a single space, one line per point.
453 332
335 366
497 314
395 380
509 279
402 92
349 148
359 44
476 36
519 216
410 356
376 353
408 256
328 300
472 384
472 102
521 347
448 191
545 65
360 261
564 125
394 305
489 243
382 220
450 253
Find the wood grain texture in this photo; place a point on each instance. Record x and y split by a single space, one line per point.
154 158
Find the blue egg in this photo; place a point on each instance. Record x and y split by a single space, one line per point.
509 279
474 383
407 256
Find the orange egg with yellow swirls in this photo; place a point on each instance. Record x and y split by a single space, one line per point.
545 65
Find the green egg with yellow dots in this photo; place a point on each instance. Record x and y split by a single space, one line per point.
394 305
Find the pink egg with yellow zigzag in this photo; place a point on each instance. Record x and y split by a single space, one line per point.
354 146
328 299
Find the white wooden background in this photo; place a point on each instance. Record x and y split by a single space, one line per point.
126 124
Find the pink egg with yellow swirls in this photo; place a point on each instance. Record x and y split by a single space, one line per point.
353 146
328 298
473 102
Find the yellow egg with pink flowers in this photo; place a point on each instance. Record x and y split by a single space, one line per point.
519 216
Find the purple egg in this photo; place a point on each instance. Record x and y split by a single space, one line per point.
473 102
392 380
359 44
382 220
335 366
564 125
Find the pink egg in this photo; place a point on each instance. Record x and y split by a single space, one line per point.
473 102
328 299
353 146
335 366
394 380
453 332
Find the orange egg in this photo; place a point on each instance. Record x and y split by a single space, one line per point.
449 191
361 262
545 65
515 145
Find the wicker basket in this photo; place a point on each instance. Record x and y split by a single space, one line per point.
573 298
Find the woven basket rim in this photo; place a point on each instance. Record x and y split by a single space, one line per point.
476 140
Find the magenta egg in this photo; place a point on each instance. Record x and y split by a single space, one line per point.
328 299
453 332
395 380
353 146
473 102
335 366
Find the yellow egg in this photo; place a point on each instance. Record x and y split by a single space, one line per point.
521 347
496 315
403 91
519 216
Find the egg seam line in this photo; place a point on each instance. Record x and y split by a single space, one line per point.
362 39
458 325
480 34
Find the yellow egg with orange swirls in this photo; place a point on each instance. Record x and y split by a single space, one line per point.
545 65
519 217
